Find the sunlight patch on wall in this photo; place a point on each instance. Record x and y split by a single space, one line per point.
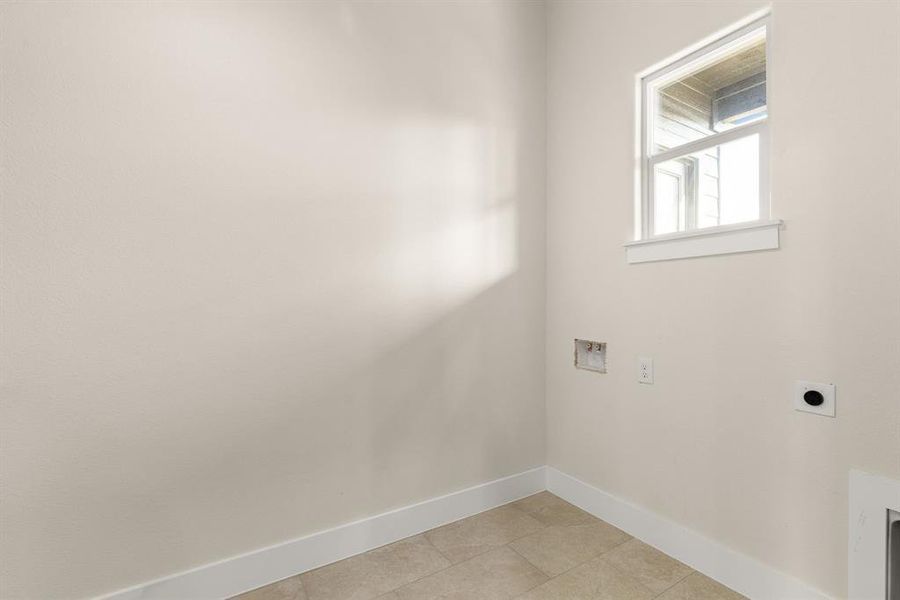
455 184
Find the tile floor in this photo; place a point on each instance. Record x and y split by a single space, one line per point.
538 548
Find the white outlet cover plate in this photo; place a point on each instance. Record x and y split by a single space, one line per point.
826 389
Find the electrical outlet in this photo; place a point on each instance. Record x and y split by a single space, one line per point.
816 398
645 370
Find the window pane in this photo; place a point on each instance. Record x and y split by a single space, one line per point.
739 181
715 186
721 90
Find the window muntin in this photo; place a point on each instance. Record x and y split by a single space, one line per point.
705 137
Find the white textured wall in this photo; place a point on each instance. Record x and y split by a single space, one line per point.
714 443
267 268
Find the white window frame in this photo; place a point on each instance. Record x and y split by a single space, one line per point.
761 234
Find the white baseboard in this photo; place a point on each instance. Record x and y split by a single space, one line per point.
249 571
729 567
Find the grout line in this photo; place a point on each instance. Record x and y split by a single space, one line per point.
629 575
302 586
424 534
677 582
449 566
542 527
552 577
543 572
394 589
453 564
603 557
558 575
596 556
605 552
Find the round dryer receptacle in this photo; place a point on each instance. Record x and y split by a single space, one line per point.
813 398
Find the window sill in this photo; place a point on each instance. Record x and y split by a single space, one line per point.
726 239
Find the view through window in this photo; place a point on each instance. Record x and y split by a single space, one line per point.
704 137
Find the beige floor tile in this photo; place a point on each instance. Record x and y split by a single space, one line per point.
496 575
552 510
697 586
557 549
648 565
286 589
470 537
536 502
594 580
374 573
587 559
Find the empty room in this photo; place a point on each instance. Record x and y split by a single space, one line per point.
450 299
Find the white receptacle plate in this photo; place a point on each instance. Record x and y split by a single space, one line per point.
826 389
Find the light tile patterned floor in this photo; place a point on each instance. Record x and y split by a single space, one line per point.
539 548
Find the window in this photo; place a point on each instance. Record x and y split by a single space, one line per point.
704 151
